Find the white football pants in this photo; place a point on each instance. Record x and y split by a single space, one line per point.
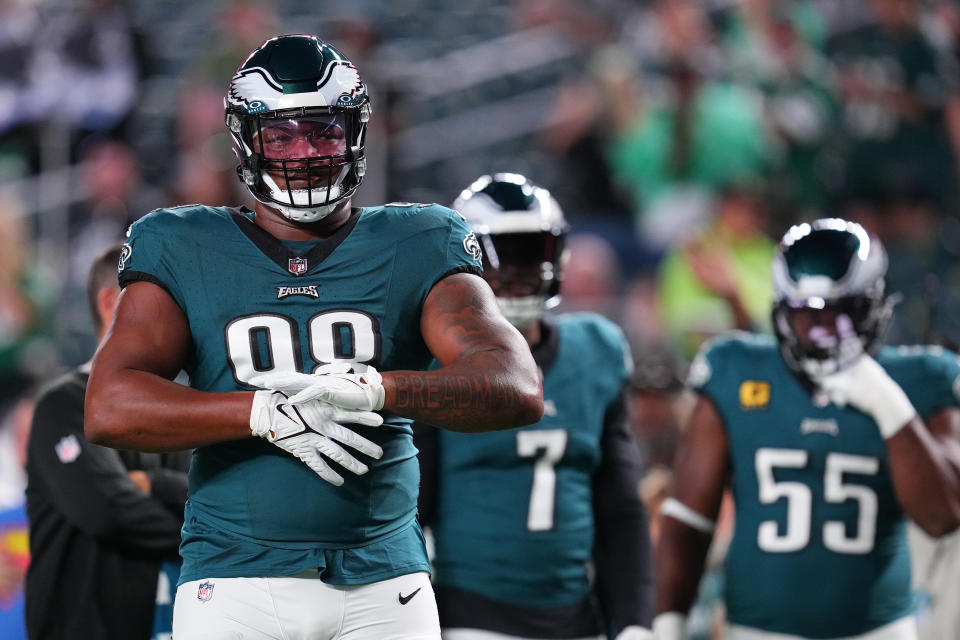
902 629
302 607
480 634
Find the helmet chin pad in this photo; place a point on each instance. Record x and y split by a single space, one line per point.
845 355
522 311
295 203
304 214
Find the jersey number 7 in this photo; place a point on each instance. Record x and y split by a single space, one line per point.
552 443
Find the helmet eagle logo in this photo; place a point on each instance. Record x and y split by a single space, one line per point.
253 85
343 78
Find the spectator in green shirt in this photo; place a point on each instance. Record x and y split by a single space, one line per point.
720 279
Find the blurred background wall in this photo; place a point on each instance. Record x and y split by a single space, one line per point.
682 137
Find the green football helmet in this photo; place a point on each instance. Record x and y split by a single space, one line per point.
522 232
830 303
298 112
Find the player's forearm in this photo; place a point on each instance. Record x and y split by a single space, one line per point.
470 396
623 550
624 563
140 411
680 559
925 479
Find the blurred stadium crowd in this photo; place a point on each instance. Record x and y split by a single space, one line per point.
680 136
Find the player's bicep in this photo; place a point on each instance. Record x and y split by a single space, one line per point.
702 462
460 317
149 333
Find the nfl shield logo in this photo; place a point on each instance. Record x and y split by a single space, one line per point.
68 448
205 591
297 266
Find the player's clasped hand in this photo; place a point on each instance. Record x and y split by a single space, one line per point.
866 386
311 430
333 383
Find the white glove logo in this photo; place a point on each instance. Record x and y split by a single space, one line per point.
314 430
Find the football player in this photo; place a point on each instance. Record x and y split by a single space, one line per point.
540 532
828 441
297 321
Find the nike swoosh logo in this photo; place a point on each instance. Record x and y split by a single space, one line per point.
405 599
281 409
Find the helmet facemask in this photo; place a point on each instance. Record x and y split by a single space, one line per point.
820 337
304 162
524 270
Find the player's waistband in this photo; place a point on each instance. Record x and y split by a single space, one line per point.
902 629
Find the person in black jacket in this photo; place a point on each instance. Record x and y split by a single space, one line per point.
102 522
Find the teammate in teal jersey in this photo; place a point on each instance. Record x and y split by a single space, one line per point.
334 313
518 517
828 442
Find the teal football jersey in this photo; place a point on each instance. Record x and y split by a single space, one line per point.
256 304
819 547
514 515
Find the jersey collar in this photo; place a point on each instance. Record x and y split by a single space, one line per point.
289 260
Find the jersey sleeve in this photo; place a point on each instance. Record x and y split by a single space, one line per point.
437 242
147 256
717 371
702 376
621 357
610 348
462 250
941 382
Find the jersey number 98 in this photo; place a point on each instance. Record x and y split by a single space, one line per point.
263 343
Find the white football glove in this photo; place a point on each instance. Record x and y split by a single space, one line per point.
634 632
865 385
670 625
336 384
312 429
